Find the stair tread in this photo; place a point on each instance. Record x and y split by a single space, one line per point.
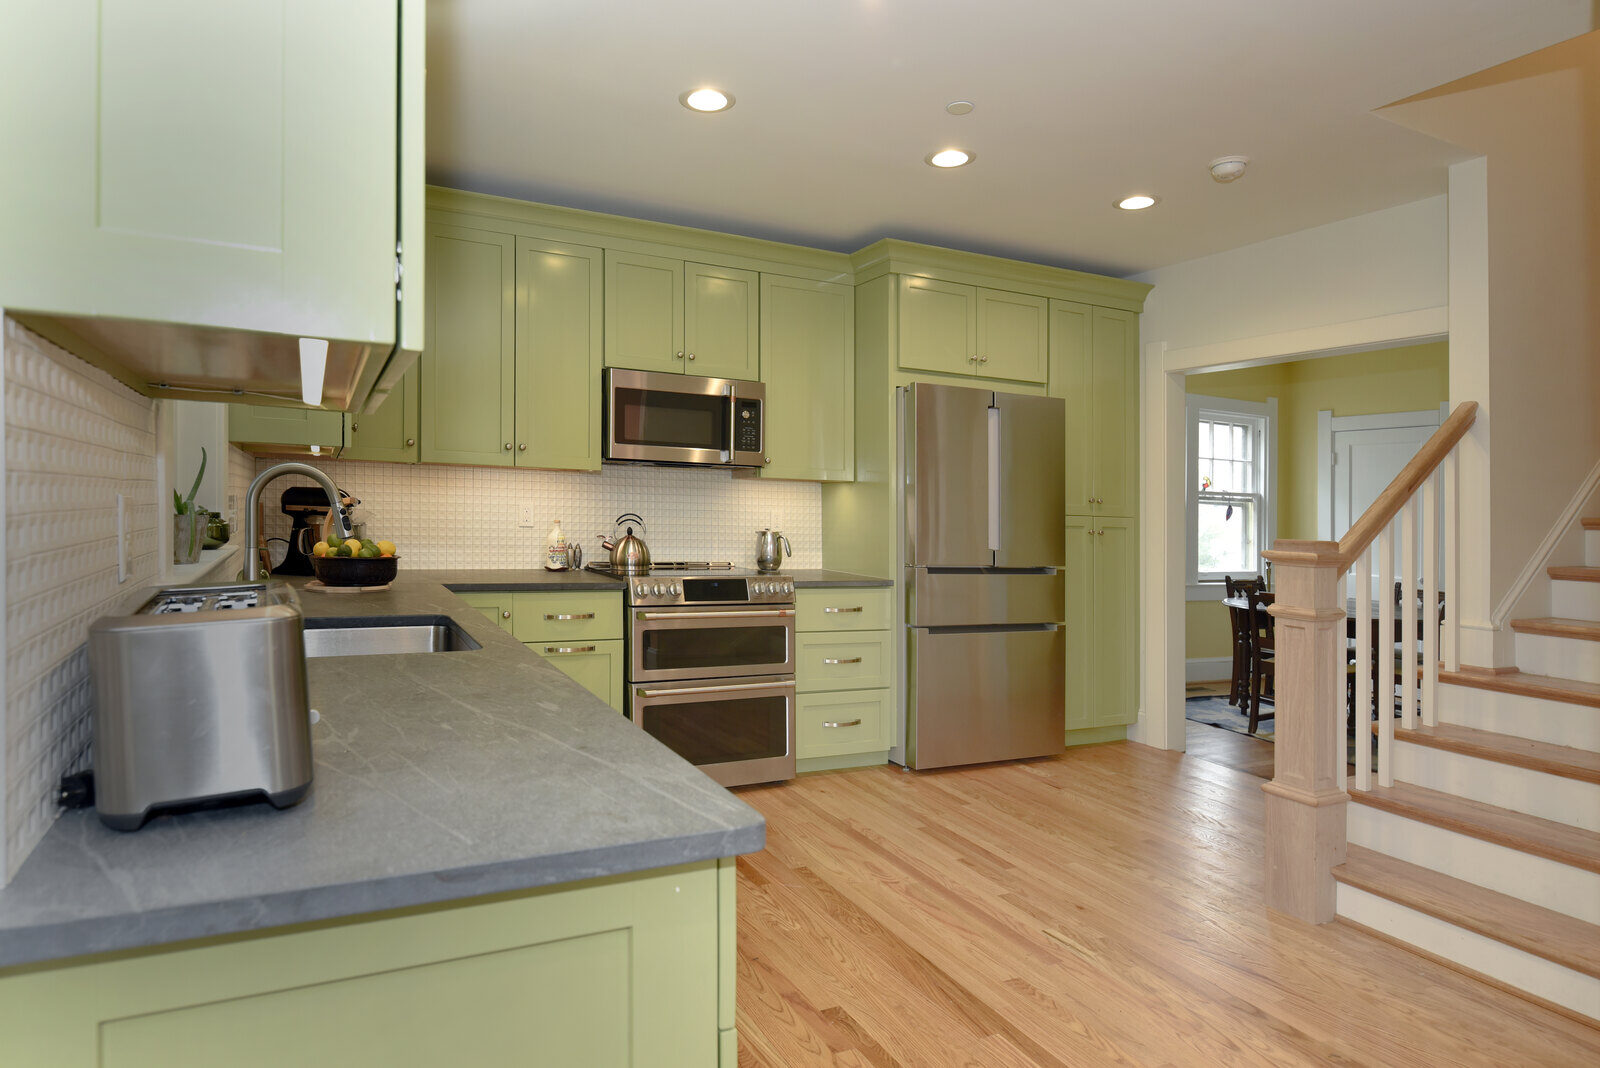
1591 522
1558 627
1560 842
1563 760
1555 936
1575 573
1549 687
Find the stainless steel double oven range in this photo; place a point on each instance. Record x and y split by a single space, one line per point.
711 667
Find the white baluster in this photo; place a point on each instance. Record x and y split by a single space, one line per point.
1430 600
1383 655
1363 714
1452 560
1406 649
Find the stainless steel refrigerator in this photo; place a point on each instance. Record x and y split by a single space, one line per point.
984 521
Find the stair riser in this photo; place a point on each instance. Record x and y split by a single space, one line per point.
1543 882
1524 971
1571 599
1557 722
1564 658
1591 548
1549 797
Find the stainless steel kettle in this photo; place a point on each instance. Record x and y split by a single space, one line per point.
629 554
769 557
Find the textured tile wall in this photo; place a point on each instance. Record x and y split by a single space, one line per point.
443 516
74 439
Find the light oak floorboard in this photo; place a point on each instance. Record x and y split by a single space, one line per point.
1101 907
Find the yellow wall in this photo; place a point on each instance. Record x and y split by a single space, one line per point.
1404 379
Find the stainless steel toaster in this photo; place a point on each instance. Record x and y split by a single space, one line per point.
200 695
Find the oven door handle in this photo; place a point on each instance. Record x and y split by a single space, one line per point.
730 688
772 613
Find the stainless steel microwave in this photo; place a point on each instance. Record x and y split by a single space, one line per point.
653 417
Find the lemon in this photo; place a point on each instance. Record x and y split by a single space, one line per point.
353 544
320 549
386 548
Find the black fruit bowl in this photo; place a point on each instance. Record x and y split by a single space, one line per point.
355 571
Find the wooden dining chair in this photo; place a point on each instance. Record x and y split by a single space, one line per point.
1239 622
1263 662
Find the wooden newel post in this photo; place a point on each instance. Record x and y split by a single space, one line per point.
1306 799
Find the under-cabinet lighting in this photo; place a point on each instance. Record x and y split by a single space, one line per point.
313 365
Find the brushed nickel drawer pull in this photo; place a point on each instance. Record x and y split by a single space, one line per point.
841 722
835 611
841 660
572 615
729 688
553 650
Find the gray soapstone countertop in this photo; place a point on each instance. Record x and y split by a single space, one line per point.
438 776
473 581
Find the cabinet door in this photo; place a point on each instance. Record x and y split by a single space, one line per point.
265 424
1080 623
596 666
808 365
1013 336
390 433
1114 646
1115 396
721 322
469 367
224 166
938 326
559 326
497 605
1071 345
644 312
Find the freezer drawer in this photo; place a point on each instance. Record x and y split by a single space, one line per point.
977 695
973 598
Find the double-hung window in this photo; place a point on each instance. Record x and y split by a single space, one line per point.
1231 511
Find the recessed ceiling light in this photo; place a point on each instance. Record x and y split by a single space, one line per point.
950 157
959 107
1137 202
706 100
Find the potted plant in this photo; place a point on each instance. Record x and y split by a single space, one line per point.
189 523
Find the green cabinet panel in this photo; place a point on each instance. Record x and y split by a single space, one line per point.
842 660
721 322
558 354
849 608
621 971
808 362
643 312
562 618
296 428
938 326
1013 336
390 433
469 365
498 605
1102 570
1094 367
230 167
596 666
838 724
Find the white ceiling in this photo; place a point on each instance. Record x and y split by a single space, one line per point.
575 102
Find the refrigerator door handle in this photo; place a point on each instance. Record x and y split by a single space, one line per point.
994 478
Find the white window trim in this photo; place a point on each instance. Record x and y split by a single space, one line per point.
1195 404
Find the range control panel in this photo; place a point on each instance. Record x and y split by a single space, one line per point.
746 425
657 590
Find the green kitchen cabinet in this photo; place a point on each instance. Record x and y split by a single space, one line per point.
808 365
469 360
597 666
233 166
672 315
498 605
1094 366
390 433
844 676
270 428
956 329
1102 570
558 354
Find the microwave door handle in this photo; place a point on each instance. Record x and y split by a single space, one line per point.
733 414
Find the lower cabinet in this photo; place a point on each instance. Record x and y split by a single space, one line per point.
579 632
1102 622
844 675
596 666
628 970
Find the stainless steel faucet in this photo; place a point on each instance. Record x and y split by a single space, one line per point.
253 496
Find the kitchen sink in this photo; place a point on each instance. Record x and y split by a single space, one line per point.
386 634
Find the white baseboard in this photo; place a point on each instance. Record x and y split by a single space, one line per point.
1208 669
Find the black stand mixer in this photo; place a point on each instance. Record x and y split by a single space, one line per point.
308 507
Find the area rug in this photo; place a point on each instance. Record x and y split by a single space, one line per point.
1215 711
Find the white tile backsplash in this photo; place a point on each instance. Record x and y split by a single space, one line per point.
74 439
467 517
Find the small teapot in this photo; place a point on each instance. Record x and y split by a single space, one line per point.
629 554
769 556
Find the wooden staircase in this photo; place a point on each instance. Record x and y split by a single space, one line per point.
1485 853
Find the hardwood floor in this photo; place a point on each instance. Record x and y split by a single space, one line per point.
1229 748
1099 907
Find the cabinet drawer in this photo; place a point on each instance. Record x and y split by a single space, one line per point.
834 724
561 617
843 609
596 666
841 660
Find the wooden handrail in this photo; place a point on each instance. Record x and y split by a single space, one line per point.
1406 483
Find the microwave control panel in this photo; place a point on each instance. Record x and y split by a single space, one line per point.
746 425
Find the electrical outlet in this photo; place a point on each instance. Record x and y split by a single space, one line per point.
525 514
122 538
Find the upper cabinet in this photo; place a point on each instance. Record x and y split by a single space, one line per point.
559 329
808 365
1094 366
192 180
678 316
957 329
389 432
